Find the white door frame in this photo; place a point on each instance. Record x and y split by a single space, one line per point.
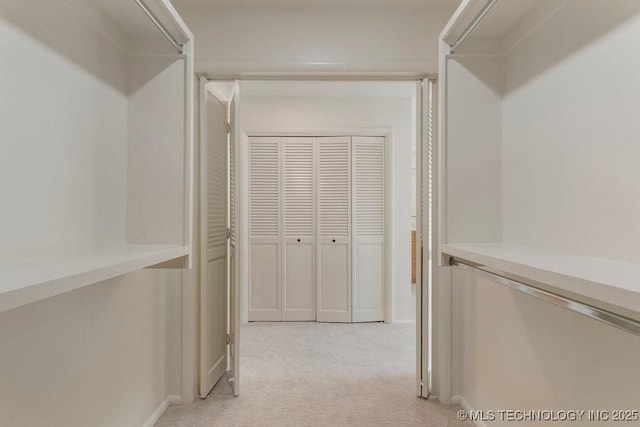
426 233
190 312
421 331
387 134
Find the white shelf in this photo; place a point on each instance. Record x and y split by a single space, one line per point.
25 282
607 284
506 23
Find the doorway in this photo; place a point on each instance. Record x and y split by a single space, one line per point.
329 109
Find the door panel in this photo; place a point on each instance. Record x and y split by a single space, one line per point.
368 288
299 290
368 229
215 314
299 278
334 299
265 250
334 229
213 290
264 283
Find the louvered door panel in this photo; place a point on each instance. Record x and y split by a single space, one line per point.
299 291
213 291
232 183
298 187
334 195
216 173
264 187
369 185
265 245
334 229
368 196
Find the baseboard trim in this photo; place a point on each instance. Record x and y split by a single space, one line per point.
460 400
169 401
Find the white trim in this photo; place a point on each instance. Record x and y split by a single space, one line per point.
389 224
202 227
441 294
171 400
460 400
384 132
421 377
189 282
242 222
240 248
402 76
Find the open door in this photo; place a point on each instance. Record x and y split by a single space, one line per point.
213 236
234 265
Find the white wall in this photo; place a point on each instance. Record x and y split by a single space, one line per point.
319 38
571 134
107 354
512 351
63 160
569 163
474 150
287 114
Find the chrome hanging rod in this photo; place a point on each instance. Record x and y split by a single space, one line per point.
147 10
483 12
611 319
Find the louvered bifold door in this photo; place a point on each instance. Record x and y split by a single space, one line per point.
264 229
368 228
213 290
299 291
334 229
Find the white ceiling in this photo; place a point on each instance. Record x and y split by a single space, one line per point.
435 3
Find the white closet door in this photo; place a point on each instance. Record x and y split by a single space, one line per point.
264 229
299 291
368 203
334 229
213 308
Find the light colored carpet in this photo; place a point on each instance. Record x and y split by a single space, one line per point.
320 374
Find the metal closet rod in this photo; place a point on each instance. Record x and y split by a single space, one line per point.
476 20
611 319
147 10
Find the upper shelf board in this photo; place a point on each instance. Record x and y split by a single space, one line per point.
30 281
500 21
131 20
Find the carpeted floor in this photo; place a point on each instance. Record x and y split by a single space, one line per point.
320 374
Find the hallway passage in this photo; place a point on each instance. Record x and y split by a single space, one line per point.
320 374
